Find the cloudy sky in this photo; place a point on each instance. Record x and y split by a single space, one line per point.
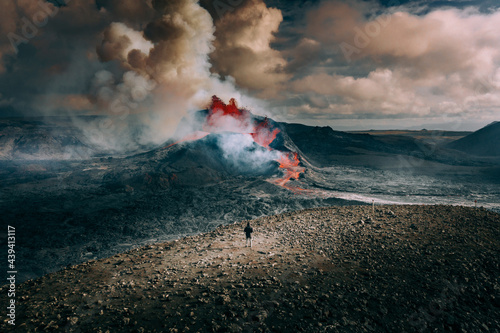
346 64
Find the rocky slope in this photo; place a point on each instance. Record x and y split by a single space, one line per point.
337 269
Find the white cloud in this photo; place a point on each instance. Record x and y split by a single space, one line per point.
445 61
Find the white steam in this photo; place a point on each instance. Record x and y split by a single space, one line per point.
242 151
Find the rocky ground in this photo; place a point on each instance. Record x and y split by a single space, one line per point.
337 269
73 223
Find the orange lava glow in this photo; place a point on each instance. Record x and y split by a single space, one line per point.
290 164
228 109
218 108
261 132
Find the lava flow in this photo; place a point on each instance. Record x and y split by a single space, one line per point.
289 162
223 117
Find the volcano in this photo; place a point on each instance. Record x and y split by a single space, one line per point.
239 124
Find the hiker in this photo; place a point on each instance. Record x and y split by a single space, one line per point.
248 231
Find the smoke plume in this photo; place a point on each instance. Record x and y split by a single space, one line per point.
168 69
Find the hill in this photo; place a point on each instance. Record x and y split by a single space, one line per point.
483 142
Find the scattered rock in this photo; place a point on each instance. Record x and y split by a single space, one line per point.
318 270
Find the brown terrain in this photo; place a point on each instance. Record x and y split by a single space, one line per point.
336 269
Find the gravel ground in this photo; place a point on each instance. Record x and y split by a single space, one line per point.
336 269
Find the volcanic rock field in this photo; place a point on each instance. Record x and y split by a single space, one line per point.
335 269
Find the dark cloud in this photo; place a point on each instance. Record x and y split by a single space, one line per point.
160 29
42 63
305 53
132 12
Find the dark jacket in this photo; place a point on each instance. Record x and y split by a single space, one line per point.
248 230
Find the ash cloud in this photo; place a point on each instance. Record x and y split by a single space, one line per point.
243 48
172 51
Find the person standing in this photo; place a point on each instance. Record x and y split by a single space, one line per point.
248 231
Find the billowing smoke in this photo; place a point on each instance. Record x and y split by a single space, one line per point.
241 151
137 65
243 48
167 73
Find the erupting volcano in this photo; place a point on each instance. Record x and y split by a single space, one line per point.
228 118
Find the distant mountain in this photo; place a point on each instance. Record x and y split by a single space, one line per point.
483 142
